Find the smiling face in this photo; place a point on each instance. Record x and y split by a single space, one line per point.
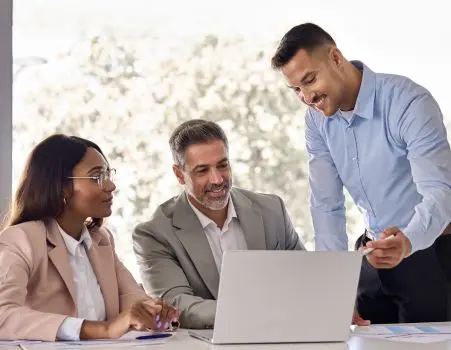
206 177
91 197
317 78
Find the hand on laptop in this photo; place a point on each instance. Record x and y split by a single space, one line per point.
389 253
358 320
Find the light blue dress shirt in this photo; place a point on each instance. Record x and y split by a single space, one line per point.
392 156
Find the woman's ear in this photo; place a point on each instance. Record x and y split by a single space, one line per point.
67 194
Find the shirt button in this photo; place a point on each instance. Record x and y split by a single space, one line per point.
354 159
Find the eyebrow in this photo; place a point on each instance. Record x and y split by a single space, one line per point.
303 79
98 167
306 77
206 165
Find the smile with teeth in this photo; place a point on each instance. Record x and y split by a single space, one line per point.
320 103
217 191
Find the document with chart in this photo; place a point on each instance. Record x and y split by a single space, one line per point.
407 333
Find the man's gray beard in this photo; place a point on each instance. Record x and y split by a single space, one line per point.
217 205
212 205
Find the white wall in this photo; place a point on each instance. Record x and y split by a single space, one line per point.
6 134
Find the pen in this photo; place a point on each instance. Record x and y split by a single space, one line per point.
369 250
154 336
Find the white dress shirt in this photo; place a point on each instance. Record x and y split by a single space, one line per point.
230 237
90 303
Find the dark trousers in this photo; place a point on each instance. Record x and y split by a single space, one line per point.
417 290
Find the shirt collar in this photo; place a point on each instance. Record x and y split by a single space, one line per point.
364 106
72 243
205 220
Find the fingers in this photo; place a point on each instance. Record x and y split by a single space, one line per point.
385 242
389 231
358 320
161 317
384 258
392 243
152 304
151 314
167 314
362 323
389 251
382 263
144 315
164 313
174 314
141 322
148 316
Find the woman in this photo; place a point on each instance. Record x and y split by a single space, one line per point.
60 278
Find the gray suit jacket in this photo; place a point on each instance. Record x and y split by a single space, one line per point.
175 259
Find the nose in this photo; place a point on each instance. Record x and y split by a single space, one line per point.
109 186
215 176
308 97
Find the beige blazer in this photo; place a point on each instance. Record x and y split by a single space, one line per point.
37 288
176 261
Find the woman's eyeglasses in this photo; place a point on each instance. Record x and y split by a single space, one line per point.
101 178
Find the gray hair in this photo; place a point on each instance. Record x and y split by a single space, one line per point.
194 132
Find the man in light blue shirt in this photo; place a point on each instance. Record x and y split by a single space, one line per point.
382 137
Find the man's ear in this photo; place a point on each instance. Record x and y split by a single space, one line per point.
178 174
336 57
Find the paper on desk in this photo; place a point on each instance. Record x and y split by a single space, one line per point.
422 338
415 334
16 343
128 339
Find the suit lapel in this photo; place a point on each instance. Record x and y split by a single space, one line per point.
102 261
60 258
192 235
251 221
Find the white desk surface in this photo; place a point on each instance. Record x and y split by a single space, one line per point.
182 341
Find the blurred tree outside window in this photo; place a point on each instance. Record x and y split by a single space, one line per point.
127 92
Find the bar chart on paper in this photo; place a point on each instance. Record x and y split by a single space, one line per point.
407 333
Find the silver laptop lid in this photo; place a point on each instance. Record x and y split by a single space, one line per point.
286 296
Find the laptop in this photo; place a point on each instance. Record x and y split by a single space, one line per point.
284 297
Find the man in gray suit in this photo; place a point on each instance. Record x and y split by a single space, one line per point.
179 251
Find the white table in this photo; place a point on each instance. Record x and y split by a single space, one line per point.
182 341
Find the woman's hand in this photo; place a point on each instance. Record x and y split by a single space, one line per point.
141 315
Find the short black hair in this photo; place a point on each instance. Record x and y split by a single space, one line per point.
307 36
194 132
